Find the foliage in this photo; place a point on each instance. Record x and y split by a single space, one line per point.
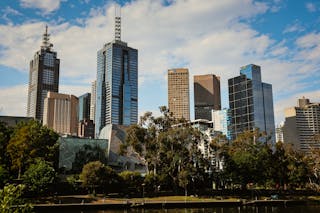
30 141
151 182
4 176
11 202
5 134
169 146
131 179
95 174
39 177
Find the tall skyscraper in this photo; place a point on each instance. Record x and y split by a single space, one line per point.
61 113
251 102
302 125
207 95
43 77
93 101
84 106
117 83
178 93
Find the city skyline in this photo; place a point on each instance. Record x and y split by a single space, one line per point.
281 37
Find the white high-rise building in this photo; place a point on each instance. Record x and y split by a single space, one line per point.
302 125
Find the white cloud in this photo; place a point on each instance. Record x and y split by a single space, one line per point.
311 7
14 100
295 27
8 11
47 6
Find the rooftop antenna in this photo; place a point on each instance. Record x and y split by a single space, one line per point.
117 23
46 40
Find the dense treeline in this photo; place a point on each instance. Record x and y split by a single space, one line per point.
29 156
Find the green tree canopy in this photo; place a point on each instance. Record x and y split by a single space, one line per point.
95 174
11 201
30 141
39 177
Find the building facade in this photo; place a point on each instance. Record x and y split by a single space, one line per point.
43 77
93 101
279 133
86 129
61 113
117 83
302 126
84 106
207 95
178 93
251 102
221 122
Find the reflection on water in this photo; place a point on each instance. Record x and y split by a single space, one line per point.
248 209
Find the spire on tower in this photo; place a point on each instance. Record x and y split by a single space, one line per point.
117 23
46 40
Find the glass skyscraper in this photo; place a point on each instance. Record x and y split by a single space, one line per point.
117 85
84 107
43 77
251 102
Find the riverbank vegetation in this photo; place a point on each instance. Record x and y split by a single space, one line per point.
176 166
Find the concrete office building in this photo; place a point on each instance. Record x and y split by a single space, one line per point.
61 113
43 77
302 125
84 106
178 93
117 83
207 95
251 102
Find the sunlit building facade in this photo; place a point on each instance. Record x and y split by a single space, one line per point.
61 113
178 93
302 126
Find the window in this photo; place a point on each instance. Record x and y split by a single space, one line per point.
48 77
49 60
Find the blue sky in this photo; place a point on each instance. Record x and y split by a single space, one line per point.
207 36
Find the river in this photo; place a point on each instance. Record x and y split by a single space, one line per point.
247 209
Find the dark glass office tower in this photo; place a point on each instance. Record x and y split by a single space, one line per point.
251 102
84 106
207 95
117 84
43 77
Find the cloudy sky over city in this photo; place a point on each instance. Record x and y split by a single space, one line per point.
205 36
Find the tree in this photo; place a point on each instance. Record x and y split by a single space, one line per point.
4 176
131 180
169 146
247 159
11 201
95 174
39 177
30 141
5 134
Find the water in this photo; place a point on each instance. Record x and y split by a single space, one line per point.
248 209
